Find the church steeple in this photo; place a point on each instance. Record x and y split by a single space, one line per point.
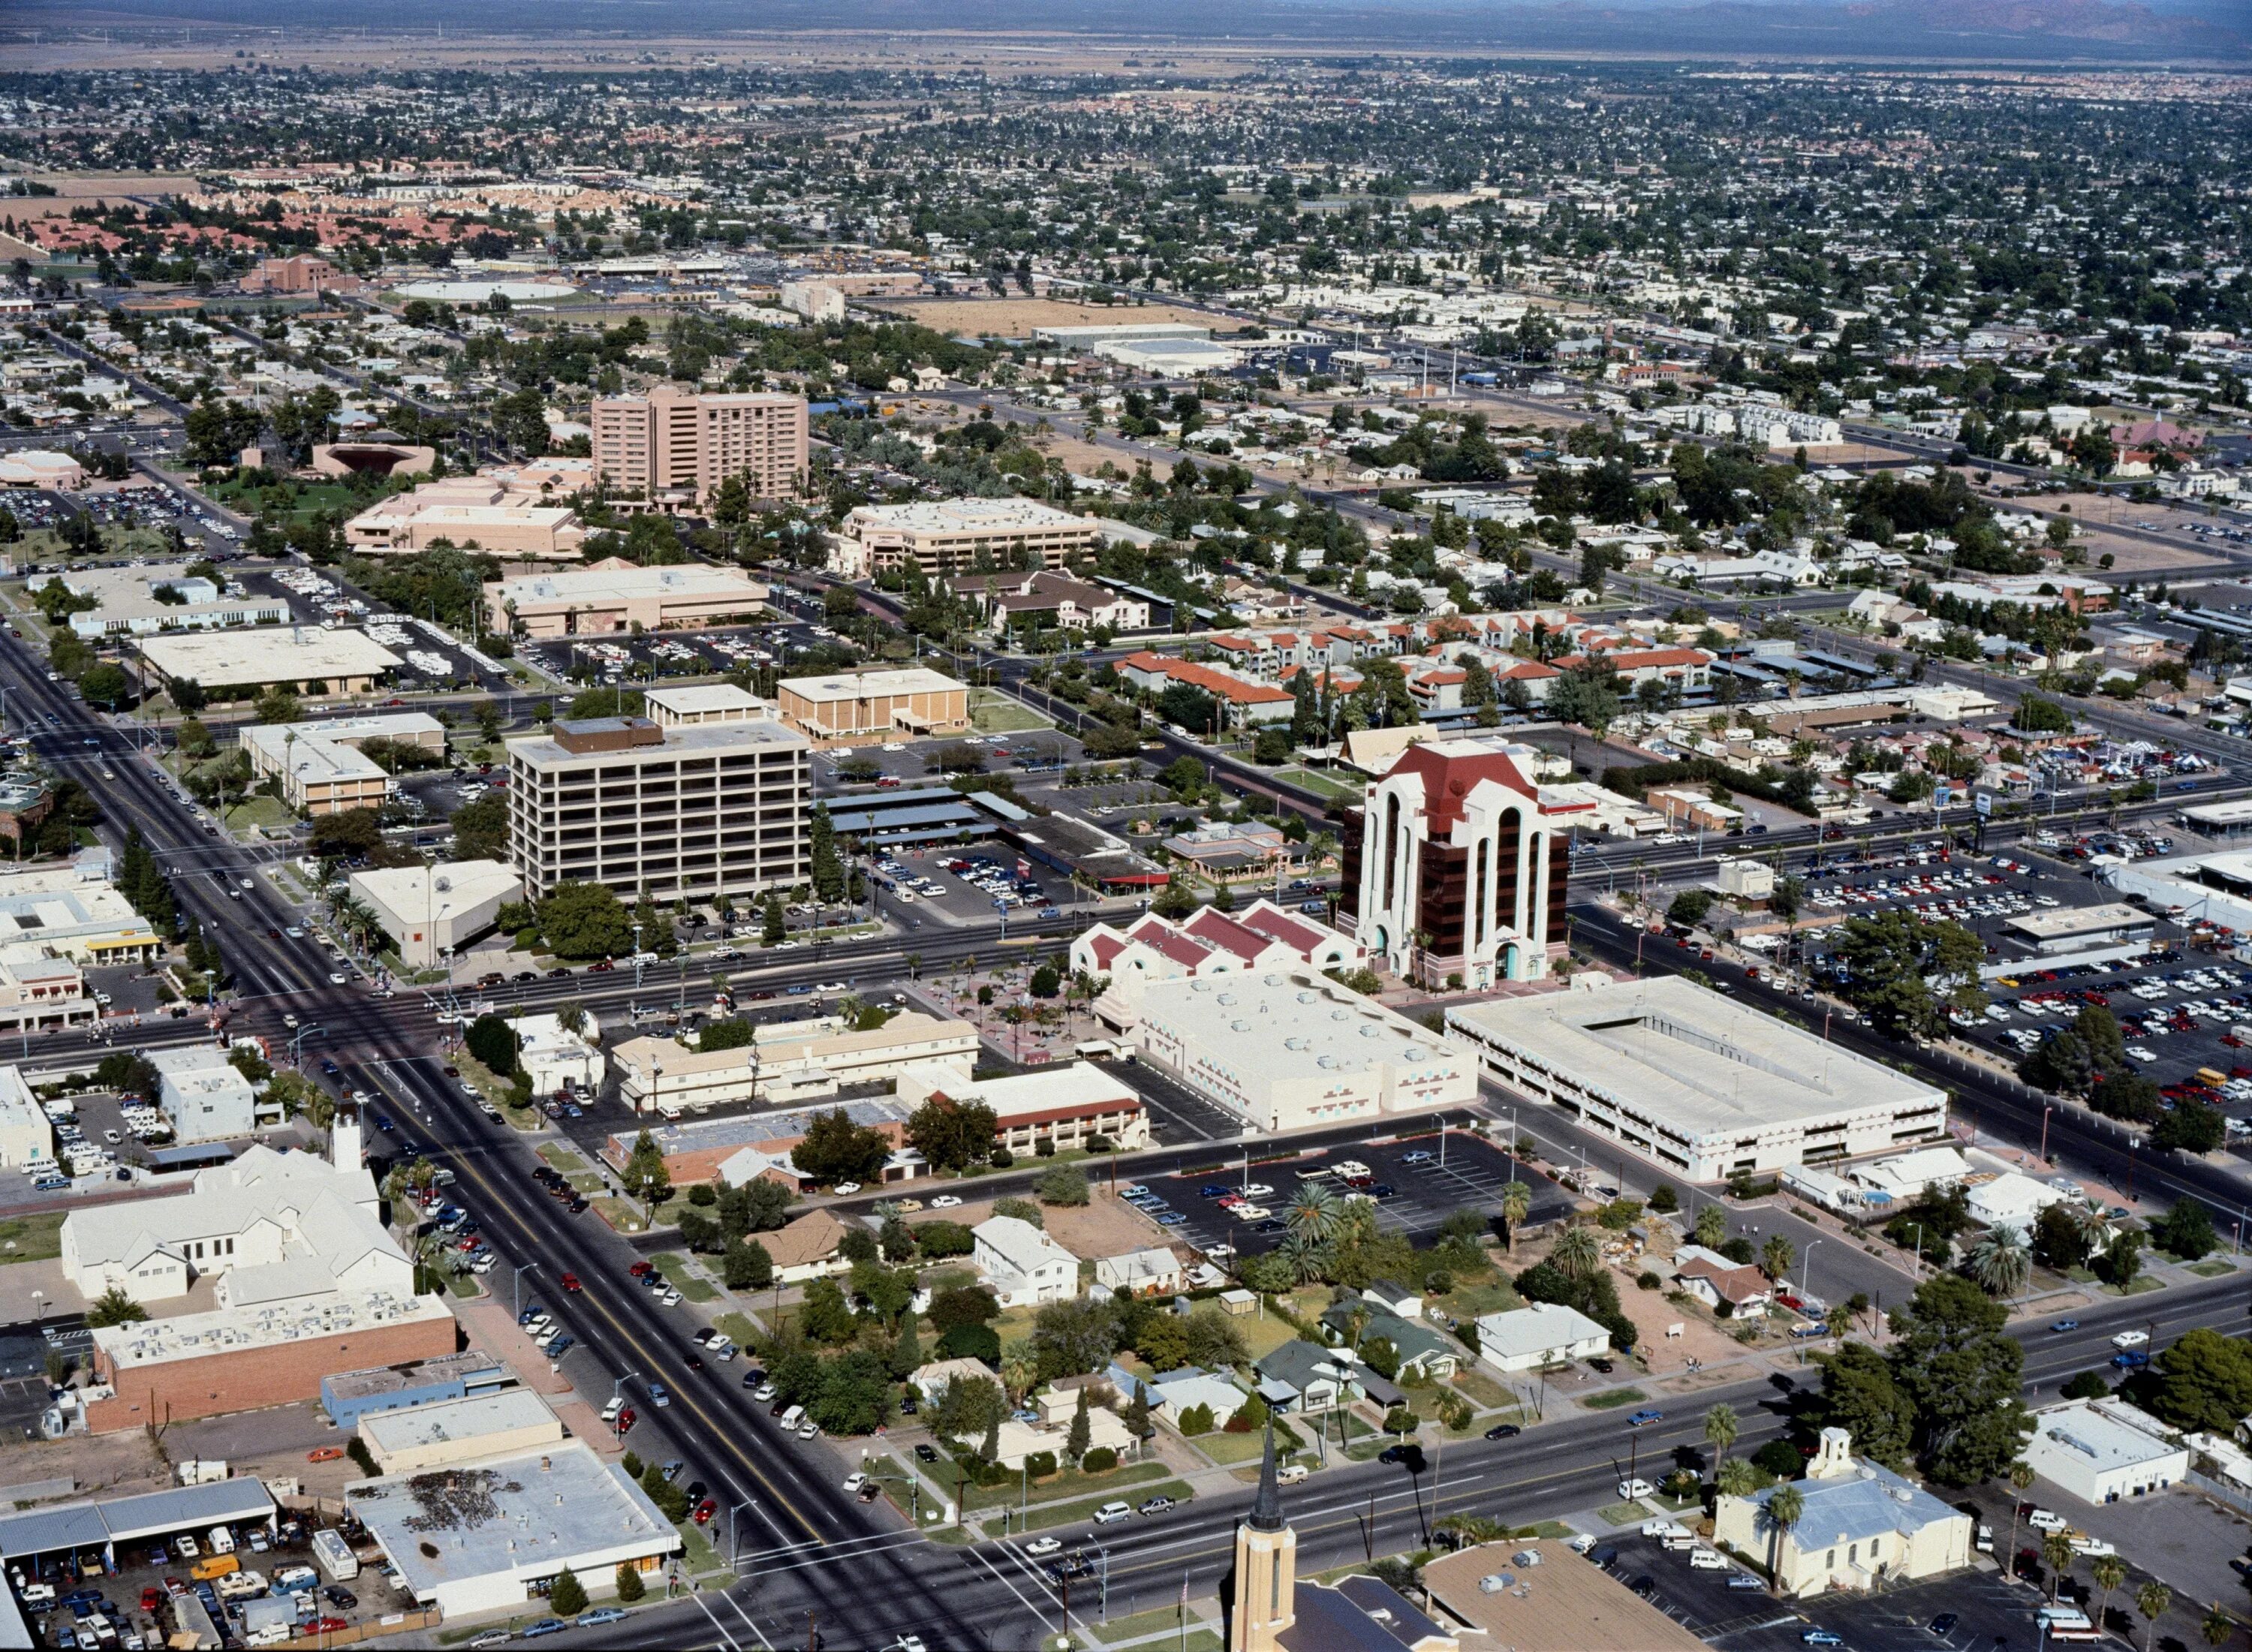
1265 1605
1266 1507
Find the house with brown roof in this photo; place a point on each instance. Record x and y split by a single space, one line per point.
1714 1280
806 1249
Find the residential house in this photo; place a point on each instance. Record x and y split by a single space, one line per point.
1176 1392
1423 1351
1726 1287
806 1249
1303 1376
1022 1264
1150 1272
1541 1334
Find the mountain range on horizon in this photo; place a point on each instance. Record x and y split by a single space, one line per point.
2012 31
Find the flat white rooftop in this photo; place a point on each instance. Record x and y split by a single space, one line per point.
1293 1024
706 699
417 1428
862 685
440 892
596 586
218 659
969 515
2112 916
1670 1050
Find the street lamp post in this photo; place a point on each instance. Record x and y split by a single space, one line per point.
1806 1266
529 1267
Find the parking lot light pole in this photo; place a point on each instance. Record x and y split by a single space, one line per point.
1806 1266
517 1286
734 1539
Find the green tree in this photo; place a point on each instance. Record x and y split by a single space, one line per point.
631 1587
1963 1374
1860 1396
2001 1263
828 867
1786 1506
953 1135
835 1150
2185 1231
1720 1428
114 1307
645 1175
2153 1599
2191 1126
2205 1382
1063 1184
774 923
747 1265
1082 1430
566 1596
481 829
585 920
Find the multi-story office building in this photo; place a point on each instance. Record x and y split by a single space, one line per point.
1455 868
687 812
951 535
855 707
673 447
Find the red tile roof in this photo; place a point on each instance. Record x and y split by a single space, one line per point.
1448 778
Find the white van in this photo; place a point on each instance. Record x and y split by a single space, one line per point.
1708 1561
222 1540
791 1418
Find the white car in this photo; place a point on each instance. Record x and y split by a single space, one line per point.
1630 1490
2044 1520
945 1202
842 1188
854 1481
1255 1190
2093 1548
1040 1546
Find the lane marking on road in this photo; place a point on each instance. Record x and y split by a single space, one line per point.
719 1626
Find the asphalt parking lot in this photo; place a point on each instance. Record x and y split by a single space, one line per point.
1424 1192
960 900
1991 1615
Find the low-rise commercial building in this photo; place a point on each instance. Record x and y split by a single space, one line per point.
1284 1049
26 1133
73 911
490 1535
741 1148
1687 1078
1207 943
493 513
205 1098
2104 1450
685 812
432 911
235 662
1052 599
1054 1109
615 595
1566 1604
1861 1526
786 1061
323 766
856 708
2074 929
141 601
554 1057
349 1396
42 989
954 536
420 1439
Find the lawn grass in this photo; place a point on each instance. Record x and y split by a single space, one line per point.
1320 784
30 1239
697 1557
258 810
737 1325
1473 1300
2212 1269
1263 1334
1228 1449
1067 1483
466 1285
1482 1391
1622 1514
1612 1398
1064 1514
1165 1621
993 712
571 1166
674 1266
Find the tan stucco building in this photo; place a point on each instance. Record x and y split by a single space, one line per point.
615 595
1863 1526
673 447
856 707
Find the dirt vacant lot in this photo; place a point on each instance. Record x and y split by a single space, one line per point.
1014 317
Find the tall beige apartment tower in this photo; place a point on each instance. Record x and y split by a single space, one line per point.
673 447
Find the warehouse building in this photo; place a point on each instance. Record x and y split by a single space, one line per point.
2190 888
1694 1081
224 662
856 708
416 1440
944 537
323 766
349 1396
143 601
1288 1049
429 911
615 595
490 1535
2104 1450
65 1532
682 813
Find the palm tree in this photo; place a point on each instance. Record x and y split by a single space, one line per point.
1776 1257
1839 1320
1783 1511
1309 1259
2021 1480
1721 1433
1316 1215
2109 1571
2000 1262
2153 1598
2056 1555
1736 1479
1578 1253
2217 1626
1516 1203
1712 1227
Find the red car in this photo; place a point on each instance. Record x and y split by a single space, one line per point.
705 1510
626 1421
600 968
571 1283
641 1270
151 1597
325 1626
